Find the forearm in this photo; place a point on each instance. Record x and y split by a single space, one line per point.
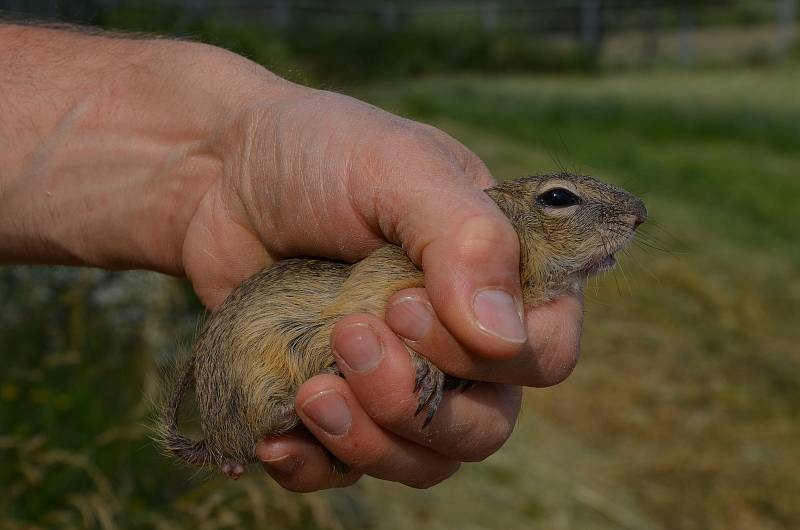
108 144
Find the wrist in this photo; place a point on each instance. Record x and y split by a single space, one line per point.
116 149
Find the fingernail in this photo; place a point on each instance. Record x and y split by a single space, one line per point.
329 411
359 347
285 465
496 313
410 317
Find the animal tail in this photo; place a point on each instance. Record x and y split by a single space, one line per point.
193 452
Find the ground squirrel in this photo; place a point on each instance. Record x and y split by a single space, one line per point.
272 332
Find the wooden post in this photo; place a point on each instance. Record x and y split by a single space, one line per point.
489 16
686 39
650 33
590 26
282 13
389 16
787 16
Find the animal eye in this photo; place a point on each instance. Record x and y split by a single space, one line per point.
558 198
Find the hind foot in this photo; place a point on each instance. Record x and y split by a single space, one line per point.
233 470
431 384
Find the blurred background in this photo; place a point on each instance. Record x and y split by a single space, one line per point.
684 412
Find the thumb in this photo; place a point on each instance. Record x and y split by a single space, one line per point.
469 254
471 267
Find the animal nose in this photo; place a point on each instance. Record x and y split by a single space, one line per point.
640 213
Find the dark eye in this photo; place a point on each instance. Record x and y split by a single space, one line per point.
558 198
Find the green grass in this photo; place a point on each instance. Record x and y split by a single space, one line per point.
684 412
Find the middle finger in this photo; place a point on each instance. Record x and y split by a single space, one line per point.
468 426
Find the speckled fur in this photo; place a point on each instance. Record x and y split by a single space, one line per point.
272 333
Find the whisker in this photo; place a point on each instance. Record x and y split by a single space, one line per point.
622 230
642 243
596 301
638 262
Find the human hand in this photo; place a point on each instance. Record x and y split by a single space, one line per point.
187 159
321 174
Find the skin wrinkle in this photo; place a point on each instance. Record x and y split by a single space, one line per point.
267 227
248 187
177 188
352 195
245 185
305 193
472 437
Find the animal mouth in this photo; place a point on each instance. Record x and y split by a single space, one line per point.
604 264
605 260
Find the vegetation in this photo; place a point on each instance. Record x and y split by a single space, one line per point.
683 413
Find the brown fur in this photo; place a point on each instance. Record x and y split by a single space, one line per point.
272 333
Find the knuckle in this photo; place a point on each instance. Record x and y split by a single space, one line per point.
404 138
558 374
366 457
483 236
433 131
481 443
555 353
300 487
563 360
428 480
391 412
476 169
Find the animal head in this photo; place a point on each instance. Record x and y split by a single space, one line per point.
569 227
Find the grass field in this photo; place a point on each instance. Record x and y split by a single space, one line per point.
684 412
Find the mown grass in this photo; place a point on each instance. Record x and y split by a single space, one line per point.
683 413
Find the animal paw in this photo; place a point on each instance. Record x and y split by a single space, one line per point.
233 470
431 384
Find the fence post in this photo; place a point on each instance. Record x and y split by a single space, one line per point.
787 14
489 16
651 45
282 13
686 38
590 26
389 16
